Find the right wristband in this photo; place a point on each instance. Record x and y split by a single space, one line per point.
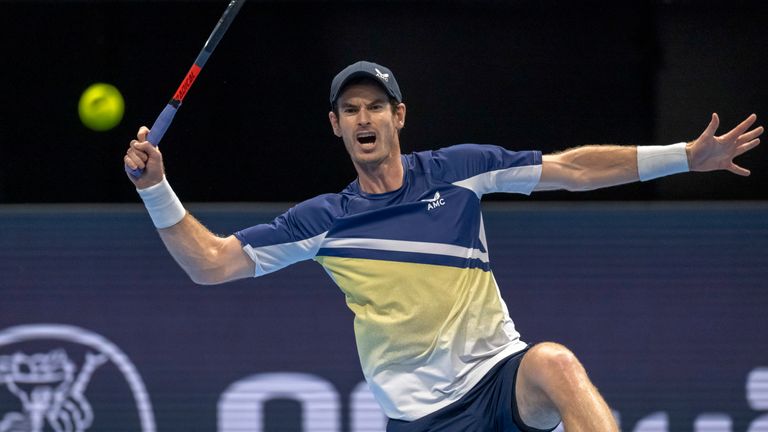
659 161
163 205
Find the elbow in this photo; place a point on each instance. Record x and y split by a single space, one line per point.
207 272
582 187
216 275
203 281
208 268
217 265
560 173
203 278
579 182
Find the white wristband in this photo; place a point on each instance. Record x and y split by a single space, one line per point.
163 205
659 161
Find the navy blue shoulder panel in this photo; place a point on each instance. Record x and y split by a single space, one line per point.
305 220
462 161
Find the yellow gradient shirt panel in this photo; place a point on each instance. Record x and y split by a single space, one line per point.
410 319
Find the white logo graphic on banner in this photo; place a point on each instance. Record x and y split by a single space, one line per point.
241 406
49 390
51 386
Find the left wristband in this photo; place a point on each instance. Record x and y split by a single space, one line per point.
163 205
659 161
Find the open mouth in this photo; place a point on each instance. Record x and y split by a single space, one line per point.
366 138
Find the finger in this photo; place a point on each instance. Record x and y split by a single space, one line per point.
749 136
747 147
143 132
712 126
131 163
738 170
145 146
741 128
137 157
136 148
128 162
138 153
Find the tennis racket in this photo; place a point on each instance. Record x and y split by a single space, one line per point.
163 121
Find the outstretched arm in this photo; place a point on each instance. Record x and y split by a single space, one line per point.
598 166
204 256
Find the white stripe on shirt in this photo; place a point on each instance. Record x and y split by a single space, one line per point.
522 179
406 246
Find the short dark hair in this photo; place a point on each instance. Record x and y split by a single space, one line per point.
393 103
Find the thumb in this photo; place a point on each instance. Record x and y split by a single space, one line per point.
738 170
713 125
143 132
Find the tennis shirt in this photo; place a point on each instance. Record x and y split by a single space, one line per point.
413 265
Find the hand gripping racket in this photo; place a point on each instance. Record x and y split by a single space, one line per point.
163 121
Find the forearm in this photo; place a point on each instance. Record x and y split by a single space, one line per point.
598 166
204 256
590 167
198 251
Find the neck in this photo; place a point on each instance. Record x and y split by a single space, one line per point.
384 177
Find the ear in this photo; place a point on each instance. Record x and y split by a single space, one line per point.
334 124
400 114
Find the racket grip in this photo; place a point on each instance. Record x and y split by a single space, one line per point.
159 127
161 124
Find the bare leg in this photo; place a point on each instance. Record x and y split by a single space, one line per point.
553 385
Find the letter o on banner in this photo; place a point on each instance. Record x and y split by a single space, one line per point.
241 406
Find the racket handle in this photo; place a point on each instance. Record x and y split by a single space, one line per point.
159 127
161 124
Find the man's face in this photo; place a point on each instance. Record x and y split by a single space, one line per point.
367 125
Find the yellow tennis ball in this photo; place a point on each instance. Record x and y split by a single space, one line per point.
101 107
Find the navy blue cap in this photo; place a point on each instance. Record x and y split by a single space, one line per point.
378 73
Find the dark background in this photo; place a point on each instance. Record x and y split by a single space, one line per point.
524 74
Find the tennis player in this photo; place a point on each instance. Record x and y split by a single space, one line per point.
405 243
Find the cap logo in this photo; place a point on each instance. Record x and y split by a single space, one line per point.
381 75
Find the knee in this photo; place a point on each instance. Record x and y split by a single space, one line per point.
553 363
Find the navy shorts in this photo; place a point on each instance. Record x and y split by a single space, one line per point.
489 407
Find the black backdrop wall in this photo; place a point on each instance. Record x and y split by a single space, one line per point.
524 74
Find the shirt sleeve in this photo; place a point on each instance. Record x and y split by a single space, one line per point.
294 236
488 168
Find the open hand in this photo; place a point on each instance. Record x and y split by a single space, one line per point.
709 152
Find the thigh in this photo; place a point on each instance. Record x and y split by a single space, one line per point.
534 407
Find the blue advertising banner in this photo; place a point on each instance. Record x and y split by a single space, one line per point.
666 305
